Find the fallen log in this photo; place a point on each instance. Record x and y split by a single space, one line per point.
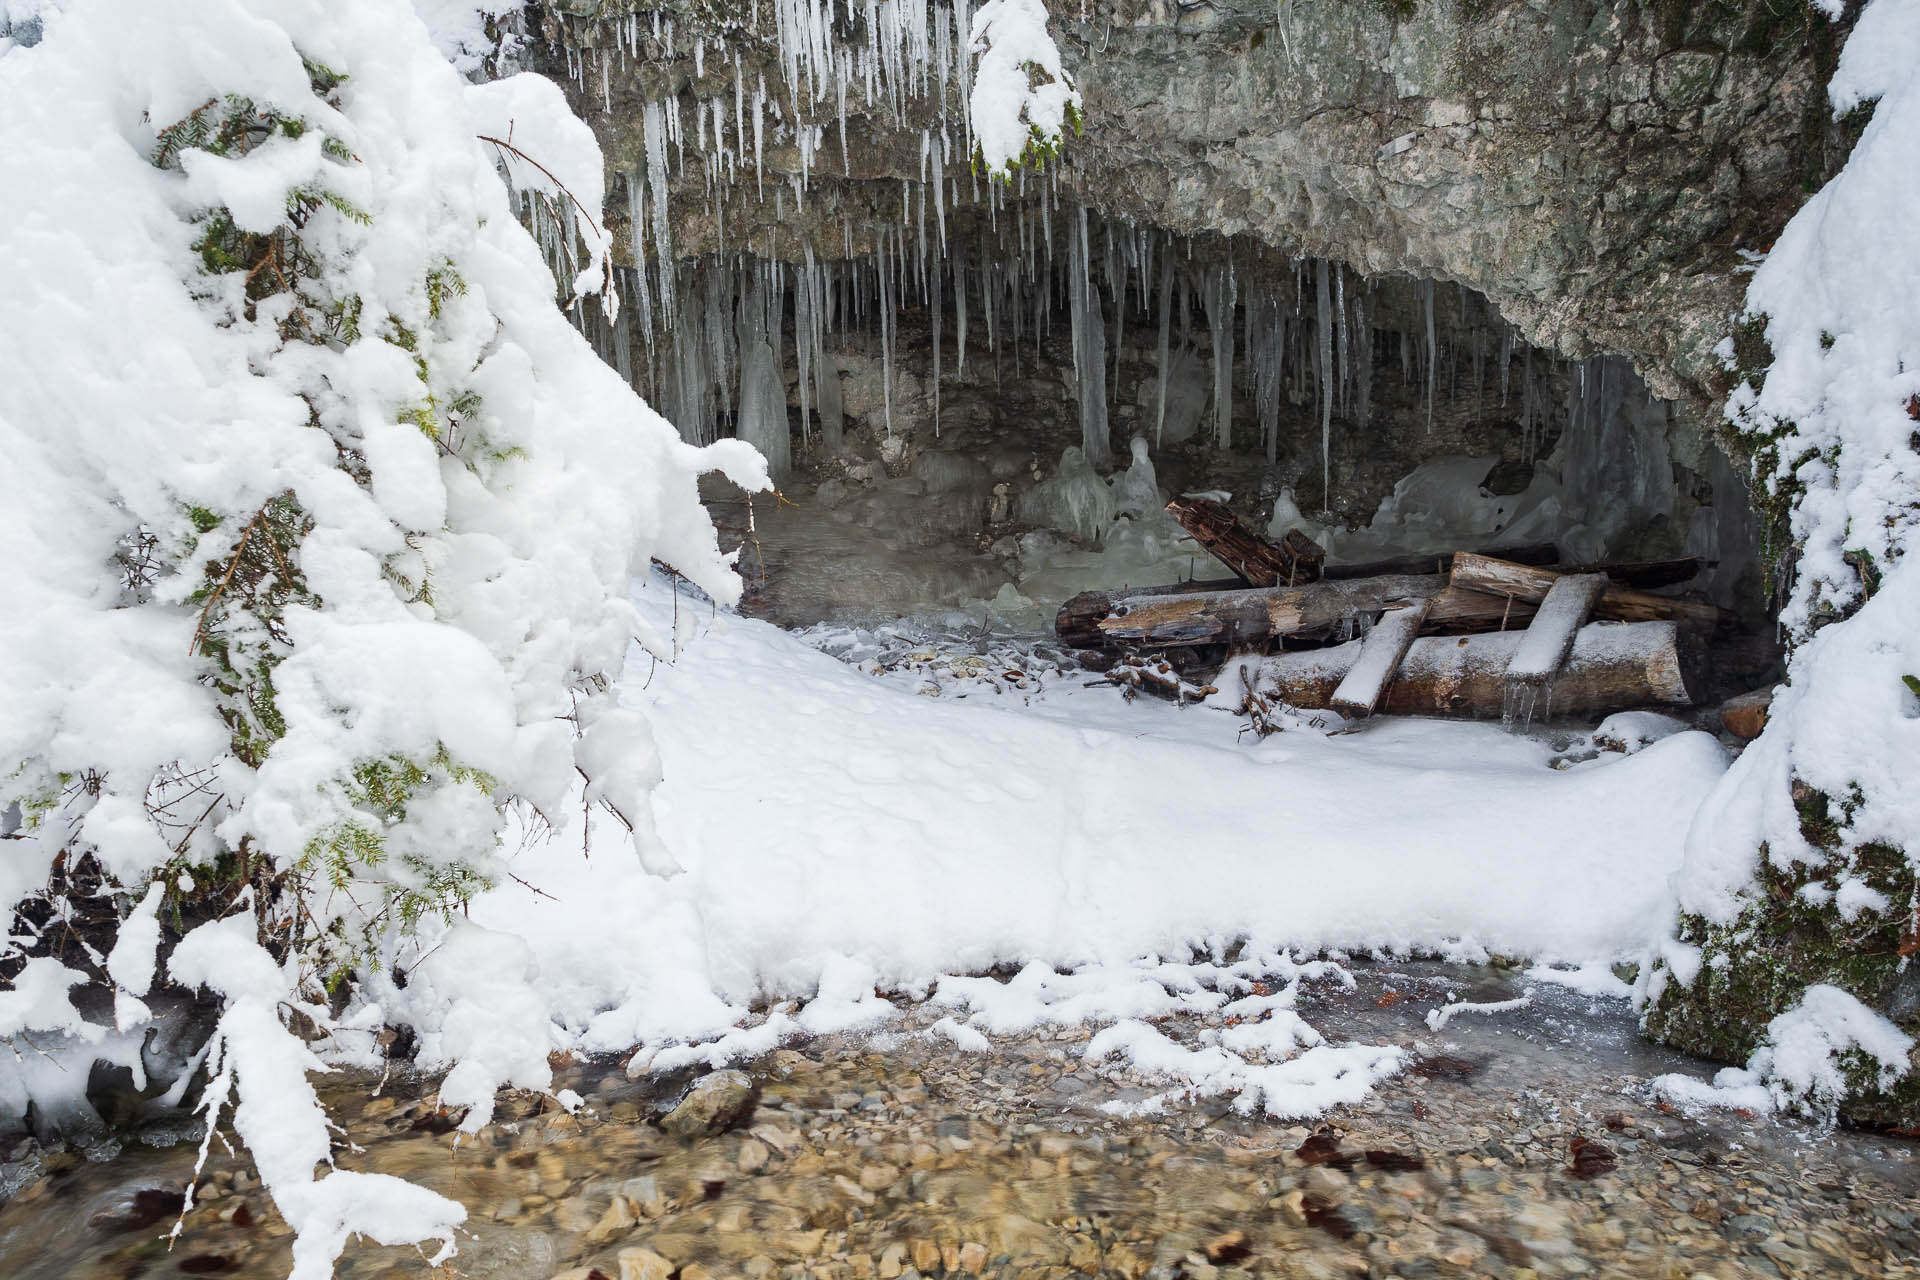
1454 610
1612 666
1295 559
1240 617
1626 573
1549 637
1542 553
1618 604
1381 652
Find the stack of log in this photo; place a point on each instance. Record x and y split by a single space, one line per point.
1472 634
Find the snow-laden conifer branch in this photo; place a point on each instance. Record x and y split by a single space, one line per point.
321 529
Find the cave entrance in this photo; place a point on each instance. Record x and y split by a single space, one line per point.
975 420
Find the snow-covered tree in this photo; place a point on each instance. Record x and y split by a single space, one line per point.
320 516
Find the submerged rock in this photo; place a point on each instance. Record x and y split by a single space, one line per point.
715 1103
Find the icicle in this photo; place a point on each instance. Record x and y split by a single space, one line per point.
805 311
937 311
1089 344
1506 362
886 333
959 257
1431 350
1342 340
1363 349
1324 319
654 134
1220 302
1527 403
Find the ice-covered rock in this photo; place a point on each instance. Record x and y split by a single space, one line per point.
1074 500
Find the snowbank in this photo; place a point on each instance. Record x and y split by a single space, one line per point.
1827 796
922 837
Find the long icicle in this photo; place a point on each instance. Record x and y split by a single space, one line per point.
1166 321
1431 352
1323 307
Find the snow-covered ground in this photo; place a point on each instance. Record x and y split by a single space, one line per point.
841 832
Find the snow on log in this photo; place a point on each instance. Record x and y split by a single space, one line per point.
1380 655
1549 637
1295 559
1612 666
1620 604
1233 617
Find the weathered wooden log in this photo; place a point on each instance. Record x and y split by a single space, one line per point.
1239 617
1440 561
1454 610
1380 654
1620 604
1612 666
1627 573
1458 611
1549 637
1295 559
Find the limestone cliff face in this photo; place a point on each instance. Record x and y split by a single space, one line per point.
1595 168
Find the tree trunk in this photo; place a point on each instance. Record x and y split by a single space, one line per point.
1295 559
1239 617
1612 666
1620 604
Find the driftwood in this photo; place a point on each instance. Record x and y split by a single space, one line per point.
1240 617
1157 676
1380 655
1295 559
1620 604
1611 666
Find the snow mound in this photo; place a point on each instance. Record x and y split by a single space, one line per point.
864 838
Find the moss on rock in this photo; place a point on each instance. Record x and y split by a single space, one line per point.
1790 935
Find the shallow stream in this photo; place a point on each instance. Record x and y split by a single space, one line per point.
1519 1144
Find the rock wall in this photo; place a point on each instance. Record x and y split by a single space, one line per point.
1594 169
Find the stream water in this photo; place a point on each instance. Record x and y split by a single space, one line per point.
1522 1143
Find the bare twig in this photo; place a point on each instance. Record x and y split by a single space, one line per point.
233 564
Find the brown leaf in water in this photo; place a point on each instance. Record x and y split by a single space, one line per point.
1326 1215
1441 1066
1323 1148
1591 1158
1389 997
436 1122
149 1205
1229 1248
1616 1121
1395 1161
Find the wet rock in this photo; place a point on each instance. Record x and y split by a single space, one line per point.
615 1222
715 1103
644 1264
